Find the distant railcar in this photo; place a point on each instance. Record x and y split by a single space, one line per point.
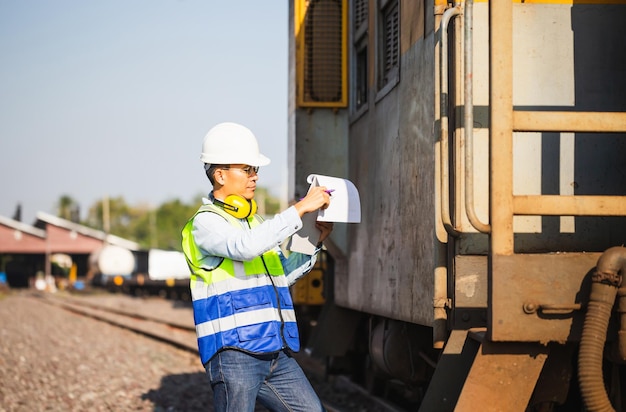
165 273
153 272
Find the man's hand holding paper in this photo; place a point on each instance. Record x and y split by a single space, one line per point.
317 198
335 200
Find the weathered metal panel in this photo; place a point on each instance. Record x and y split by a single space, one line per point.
532 296
452 369
470 292
470 288
321 148
391 255
475 374
502 377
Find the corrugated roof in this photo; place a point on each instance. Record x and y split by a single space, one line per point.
23 227
38 231
87 231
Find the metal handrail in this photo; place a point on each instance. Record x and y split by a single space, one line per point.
469 121
445 164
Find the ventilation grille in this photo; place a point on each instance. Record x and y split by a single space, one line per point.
360 13
322 54
391 31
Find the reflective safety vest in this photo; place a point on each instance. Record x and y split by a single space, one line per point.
239 305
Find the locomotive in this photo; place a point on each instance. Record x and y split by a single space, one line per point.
486 139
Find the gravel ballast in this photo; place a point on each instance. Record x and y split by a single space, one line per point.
55 360
52 359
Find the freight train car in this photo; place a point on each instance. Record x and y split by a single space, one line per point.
152 272
165 273
487 141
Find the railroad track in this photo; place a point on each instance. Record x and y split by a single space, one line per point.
173 332
140 317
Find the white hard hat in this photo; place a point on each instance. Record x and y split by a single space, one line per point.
232 143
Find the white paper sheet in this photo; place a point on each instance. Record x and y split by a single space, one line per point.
345 206
305 239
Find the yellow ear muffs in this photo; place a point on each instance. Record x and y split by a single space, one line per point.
239 206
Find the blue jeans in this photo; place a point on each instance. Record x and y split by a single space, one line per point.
239 379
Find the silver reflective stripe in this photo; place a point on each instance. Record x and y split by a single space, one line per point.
234 284
203 291
289 315
243 319
198 292
240 273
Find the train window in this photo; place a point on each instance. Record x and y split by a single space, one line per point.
360 21
388 45
360 98
321 62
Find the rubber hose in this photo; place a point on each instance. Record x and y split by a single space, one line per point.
592 347
605 283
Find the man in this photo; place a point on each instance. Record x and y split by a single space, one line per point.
244 315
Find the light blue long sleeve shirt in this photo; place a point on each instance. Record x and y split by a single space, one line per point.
218 239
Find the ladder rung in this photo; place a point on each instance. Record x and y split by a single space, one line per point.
527 121
554 205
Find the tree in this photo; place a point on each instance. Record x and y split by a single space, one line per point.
113 215
18 213
67 208
268 204
156 227
161 227
169 221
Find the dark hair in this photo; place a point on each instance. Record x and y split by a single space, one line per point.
210 171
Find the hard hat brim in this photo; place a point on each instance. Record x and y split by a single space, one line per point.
260 160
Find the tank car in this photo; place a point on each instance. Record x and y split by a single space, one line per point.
151 272
487 142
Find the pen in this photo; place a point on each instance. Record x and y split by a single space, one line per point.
329 191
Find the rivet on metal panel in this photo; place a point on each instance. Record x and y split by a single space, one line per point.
530 308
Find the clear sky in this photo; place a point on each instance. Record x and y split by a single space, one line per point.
113 97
